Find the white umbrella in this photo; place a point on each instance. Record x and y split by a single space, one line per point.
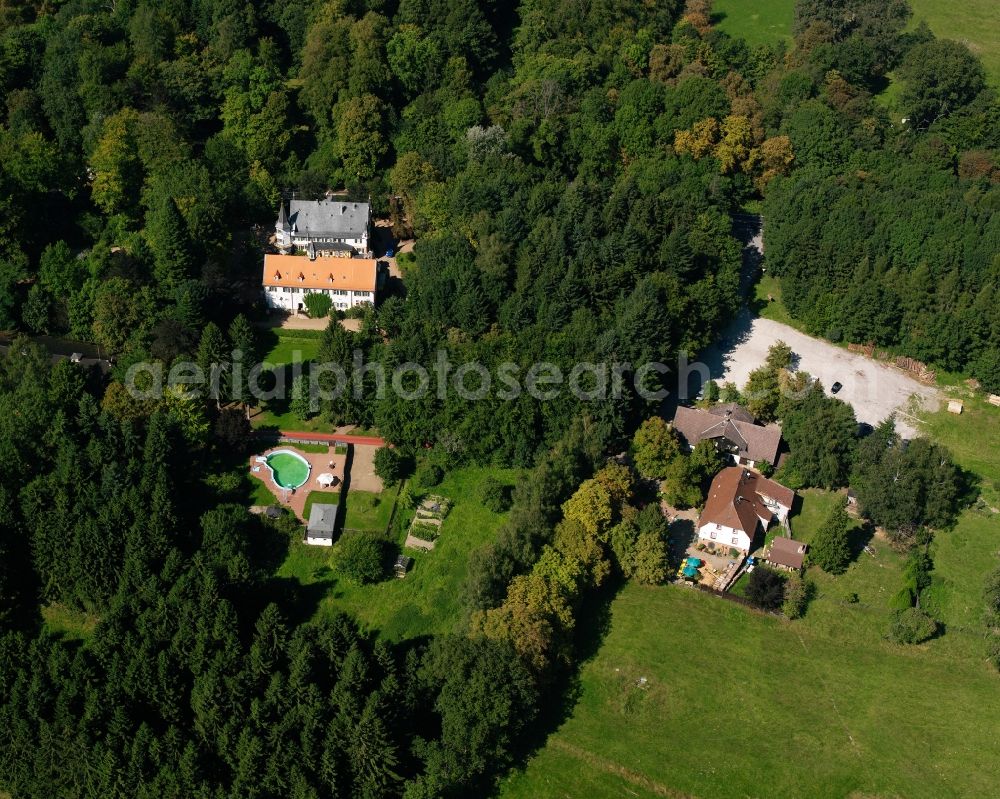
325 479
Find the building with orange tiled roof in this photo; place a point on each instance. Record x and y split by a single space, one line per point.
739 502
349 282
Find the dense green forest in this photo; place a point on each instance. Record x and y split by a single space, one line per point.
569 171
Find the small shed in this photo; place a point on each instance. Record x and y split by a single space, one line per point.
402 566
322 523
787 553
955 406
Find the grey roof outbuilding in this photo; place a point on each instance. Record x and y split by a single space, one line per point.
322 521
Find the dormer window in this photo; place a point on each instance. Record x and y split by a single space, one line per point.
277 275
301 277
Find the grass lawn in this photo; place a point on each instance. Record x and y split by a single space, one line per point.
816 505
275 414
810 511
260 494
428 600
774 308
68 622
736 703
289 346
314 448
759 22
739 588
368 511
965 555
889 98
962 559
322 497
975 23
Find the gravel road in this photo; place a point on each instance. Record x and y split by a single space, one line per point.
873 389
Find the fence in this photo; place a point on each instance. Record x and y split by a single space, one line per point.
918 369
291 436
733 598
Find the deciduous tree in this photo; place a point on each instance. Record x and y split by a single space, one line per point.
654 446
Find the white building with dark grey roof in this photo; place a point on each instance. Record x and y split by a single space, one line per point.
734 432
322 523
325 227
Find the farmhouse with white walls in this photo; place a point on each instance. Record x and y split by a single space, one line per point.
739 502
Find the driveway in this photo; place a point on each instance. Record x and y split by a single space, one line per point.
363 475
875 390
296 321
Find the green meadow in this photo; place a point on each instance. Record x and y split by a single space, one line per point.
428 600
975 23
690 695
759 22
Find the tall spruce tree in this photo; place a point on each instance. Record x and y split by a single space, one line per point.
171 244
830 549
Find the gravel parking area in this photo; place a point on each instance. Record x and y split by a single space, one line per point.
363 477
873 389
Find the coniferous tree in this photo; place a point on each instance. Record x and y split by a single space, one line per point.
173 249
213 355
830 548
244 357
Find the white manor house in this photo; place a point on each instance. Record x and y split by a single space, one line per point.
323 249
333 226
349 282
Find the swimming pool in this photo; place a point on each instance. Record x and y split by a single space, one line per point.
288 469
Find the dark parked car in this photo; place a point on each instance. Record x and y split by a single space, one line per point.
835 388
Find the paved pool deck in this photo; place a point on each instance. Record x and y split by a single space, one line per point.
319 462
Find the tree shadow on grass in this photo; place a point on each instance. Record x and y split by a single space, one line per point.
268 545
593 623
298 602
858 538
267 339
682 535
279 382
970 489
